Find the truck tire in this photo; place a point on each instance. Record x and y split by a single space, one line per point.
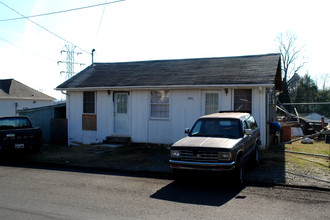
255 156
239 172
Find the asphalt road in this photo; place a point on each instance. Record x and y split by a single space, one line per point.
31 193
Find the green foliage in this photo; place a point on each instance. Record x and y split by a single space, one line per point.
307 92
324 96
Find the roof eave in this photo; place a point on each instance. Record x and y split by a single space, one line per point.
27 98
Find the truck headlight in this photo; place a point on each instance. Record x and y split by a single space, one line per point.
175 153
225 156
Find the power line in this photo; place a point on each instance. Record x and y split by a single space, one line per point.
57 12
101 19
31 52
45 28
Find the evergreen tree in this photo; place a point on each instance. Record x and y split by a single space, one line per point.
324 96
306 92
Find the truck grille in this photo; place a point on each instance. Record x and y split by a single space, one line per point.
200 156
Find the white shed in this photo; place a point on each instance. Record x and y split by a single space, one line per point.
154 101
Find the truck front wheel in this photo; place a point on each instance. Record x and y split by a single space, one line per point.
239 172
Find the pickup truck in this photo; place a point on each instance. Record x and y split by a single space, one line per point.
17 134
220 142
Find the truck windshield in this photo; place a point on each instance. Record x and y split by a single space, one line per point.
10 123
216 127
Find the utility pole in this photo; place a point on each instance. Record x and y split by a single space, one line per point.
69 61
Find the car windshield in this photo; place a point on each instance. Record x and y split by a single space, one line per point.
216 127
10 123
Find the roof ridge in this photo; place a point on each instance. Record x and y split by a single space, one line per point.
183 59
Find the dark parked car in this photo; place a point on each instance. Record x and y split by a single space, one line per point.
218 142
17 133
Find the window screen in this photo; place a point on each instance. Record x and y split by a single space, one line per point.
160 104
211 103
243 100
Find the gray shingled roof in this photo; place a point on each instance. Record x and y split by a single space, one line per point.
10 88
258 69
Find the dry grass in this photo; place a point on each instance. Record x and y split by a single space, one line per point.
297 167
319 148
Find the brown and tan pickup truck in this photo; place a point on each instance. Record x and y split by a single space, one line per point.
221 142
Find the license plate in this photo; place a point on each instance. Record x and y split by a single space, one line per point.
19 146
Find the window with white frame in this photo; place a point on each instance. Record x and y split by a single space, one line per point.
89 102
243 100
211 103
160 104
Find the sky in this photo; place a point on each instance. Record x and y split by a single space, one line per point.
134 30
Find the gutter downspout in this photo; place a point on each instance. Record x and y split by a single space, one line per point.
67 113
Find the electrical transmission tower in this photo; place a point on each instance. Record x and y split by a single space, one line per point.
69 61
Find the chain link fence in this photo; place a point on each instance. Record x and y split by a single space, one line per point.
305 128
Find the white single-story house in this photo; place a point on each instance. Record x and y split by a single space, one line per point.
154 101
16 96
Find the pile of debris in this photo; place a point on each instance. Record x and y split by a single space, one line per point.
295 127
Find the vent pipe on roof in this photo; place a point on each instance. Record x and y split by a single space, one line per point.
93 56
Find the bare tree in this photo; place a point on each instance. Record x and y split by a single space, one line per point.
291 63
324 77
290 55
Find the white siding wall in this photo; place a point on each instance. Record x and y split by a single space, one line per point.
259 111
185 107
8 107
140 115
74 113
104 114
226 104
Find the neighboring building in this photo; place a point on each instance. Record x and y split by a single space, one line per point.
315 117
16 96
154 101
52 121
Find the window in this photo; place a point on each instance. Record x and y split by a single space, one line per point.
211 103
89 116
122 103
216 127
243 100
252 122
160 104
89 102
15 123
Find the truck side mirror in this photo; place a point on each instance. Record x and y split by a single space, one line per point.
186 131
248 132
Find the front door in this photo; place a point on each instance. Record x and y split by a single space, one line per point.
121 118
